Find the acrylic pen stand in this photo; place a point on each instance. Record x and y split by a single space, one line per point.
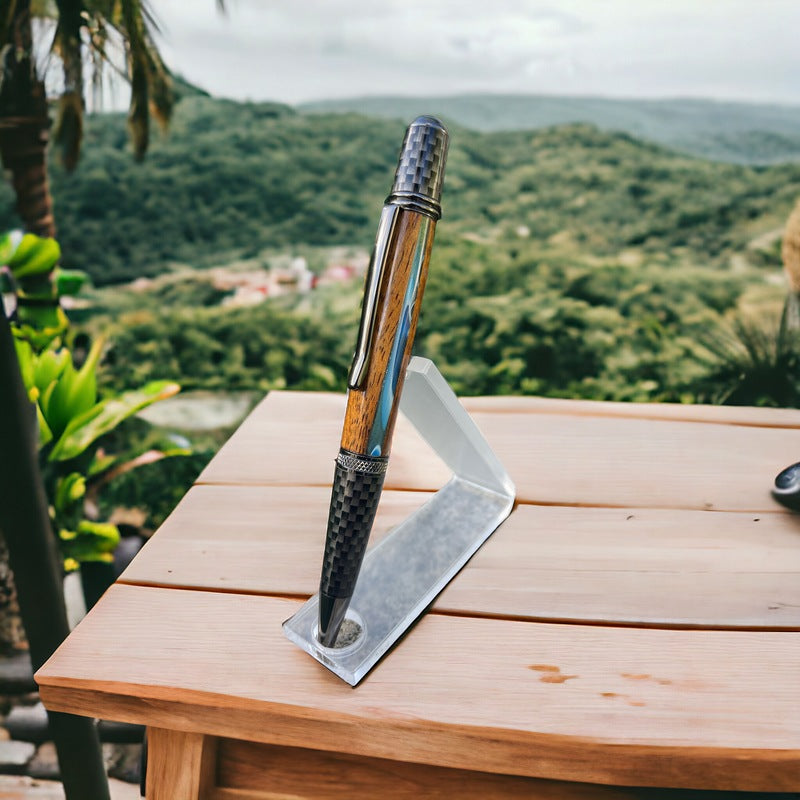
403 573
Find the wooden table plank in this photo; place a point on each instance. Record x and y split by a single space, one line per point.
629 706
290 429
623 566
683 412
566 459
246 769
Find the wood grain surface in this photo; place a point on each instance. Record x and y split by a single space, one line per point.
180 765
748 416
554 458
636 621
247 768
664 567
362 405
628 706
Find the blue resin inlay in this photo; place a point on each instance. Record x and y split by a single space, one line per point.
377 436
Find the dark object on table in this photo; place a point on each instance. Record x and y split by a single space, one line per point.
787 487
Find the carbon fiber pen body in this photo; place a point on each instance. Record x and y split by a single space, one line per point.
393 293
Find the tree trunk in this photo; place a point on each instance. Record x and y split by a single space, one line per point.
25 522
23 147
25 127
24 132
12 632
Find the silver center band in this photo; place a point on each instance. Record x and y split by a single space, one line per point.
368 466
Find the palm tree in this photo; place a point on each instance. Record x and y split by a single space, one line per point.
84 30
81 30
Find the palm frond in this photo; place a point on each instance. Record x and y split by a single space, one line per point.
754 362
151 24
138 111
151 91
68 131
87 27
68 45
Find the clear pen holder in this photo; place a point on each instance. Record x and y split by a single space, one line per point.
403 573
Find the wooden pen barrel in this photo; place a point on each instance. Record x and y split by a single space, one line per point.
406 260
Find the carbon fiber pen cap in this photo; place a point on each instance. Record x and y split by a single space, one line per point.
420 170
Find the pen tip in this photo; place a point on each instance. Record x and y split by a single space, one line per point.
331 616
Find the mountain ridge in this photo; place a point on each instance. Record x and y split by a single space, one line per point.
721 130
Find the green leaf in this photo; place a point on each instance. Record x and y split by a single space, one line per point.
105 416
69 281
55 400
69 490
27 362
45 434
70 393
40 325
83 387
90 541
101 464
34 256
49 365
103 532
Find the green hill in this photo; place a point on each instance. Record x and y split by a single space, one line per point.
233 179
571 260
746 133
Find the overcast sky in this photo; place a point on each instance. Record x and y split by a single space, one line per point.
299 50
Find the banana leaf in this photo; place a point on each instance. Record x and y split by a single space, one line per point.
34 256
84 430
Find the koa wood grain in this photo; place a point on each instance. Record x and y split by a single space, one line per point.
401 261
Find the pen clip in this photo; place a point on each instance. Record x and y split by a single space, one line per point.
369 310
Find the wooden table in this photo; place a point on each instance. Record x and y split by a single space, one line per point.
635 622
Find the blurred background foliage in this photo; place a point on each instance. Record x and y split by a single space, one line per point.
571 261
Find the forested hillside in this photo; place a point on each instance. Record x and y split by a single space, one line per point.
570 260
232 179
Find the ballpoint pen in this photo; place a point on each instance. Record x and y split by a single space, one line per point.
392 296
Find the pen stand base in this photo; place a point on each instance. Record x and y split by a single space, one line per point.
403 574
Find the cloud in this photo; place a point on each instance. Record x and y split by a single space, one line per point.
310 49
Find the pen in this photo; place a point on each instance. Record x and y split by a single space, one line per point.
392 296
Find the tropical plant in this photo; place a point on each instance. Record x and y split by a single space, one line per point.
757 361
30 276
24 114
72 418
80 28
92 31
